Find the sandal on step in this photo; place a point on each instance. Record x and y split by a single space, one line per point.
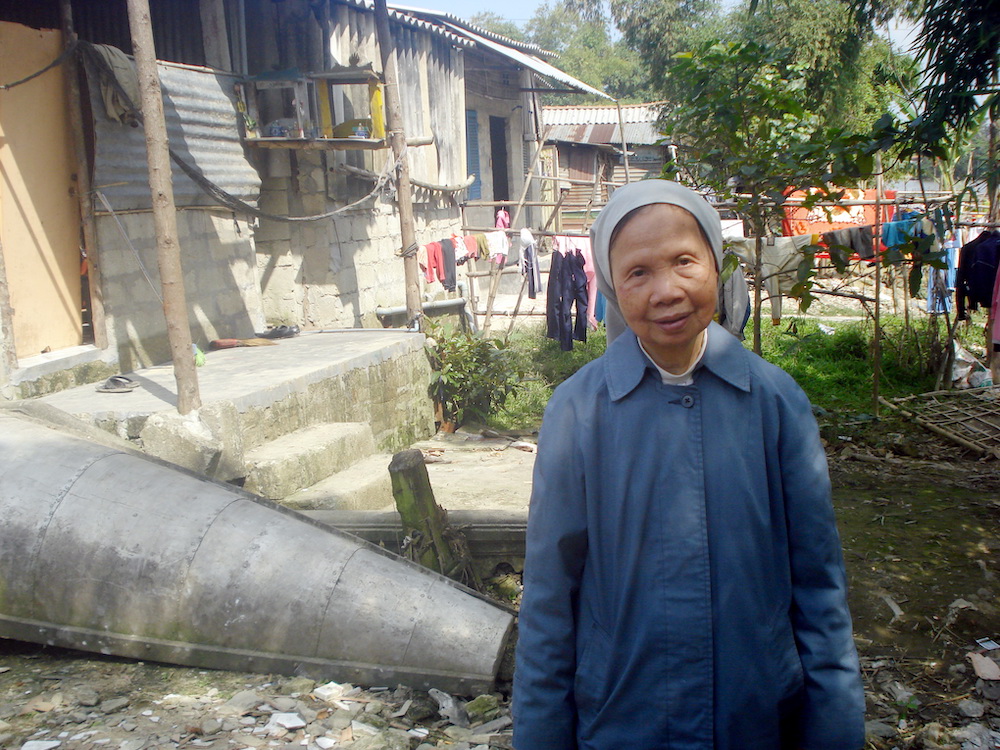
118 384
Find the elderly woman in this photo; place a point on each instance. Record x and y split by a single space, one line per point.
684 584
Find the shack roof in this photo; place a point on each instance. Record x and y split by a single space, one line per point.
467 35
598 124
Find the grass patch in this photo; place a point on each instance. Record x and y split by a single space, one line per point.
835 369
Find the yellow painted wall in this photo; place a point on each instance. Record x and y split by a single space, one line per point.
39 215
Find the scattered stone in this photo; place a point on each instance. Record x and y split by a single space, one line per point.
972 709
241 703
297 686
285 721
112 705
391 739
210 726
879 729
86 696
422 707
331 691
482 709
494 726
40 745
449 708
283 704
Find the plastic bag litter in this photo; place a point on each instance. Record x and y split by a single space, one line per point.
967 371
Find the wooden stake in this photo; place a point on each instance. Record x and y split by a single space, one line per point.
164 209
397 138
411 488
83 186
877 343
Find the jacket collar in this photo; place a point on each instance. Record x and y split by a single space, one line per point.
626 364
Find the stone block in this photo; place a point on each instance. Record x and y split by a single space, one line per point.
184 440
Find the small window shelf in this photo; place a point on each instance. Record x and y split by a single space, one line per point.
311 120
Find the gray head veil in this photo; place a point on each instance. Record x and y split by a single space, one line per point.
734 297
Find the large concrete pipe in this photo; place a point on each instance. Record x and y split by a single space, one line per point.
105 550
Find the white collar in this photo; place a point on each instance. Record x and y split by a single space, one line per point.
685 378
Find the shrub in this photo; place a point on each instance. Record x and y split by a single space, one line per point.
473 376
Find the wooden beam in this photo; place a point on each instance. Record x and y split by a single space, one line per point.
164 209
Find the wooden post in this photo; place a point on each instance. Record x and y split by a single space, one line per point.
213 34
164 209
877 343
411 488
83 186
397 138
8 354
621 132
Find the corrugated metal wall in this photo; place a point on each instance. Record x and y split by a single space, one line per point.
203 128
176 27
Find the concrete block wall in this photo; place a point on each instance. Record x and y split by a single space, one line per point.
334 273
220 279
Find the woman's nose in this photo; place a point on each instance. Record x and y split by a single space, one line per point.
666 288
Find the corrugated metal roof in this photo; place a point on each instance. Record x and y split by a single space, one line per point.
203 128
598 124
399 14
529 61
602 113
532 49
603 133
466 34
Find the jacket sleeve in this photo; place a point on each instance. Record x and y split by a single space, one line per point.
832 717
556 547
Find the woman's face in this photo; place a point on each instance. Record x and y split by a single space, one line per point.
664 276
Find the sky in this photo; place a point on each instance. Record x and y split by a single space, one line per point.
522 11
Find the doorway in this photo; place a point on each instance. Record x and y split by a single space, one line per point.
499 158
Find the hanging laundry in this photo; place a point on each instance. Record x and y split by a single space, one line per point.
529 263
483 245
566 244
900 231
471 246
448 262
567 288
977 270
995 316
434 270
780 259
941 281
498 247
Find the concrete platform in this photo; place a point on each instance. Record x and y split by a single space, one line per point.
252 375
252 397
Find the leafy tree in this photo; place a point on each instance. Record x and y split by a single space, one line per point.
499 25
736 111
585 50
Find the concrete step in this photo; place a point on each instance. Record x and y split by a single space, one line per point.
302 458
363 486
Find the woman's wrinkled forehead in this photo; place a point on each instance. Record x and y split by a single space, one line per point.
671 213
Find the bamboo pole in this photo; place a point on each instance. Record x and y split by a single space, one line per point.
877 343
621 132
495 281
164 209
83 186
397 138
524 281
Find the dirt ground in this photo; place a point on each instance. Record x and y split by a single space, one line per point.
919 519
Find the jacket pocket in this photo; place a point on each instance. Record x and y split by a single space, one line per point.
593 663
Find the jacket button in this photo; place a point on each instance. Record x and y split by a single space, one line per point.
687 402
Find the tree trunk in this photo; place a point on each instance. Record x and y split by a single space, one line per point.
397 138
164 209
